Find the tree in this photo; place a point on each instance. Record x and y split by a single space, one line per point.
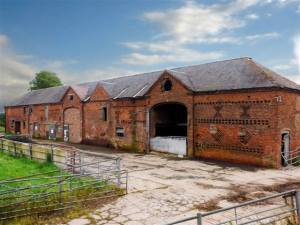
44 79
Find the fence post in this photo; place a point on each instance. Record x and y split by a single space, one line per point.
2 147
126 182
51 146
199 219
30 150
297 197
15 149
118 167
235 215
60 188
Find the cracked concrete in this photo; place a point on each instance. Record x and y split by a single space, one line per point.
163 189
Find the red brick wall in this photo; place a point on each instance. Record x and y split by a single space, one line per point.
240 127
253 114
97 131
131 116
72 115
16 114
289 117
38 116
178 94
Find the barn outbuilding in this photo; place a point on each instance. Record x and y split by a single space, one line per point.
234 110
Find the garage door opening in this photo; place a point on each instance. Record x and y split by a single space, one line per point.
168 124
170 120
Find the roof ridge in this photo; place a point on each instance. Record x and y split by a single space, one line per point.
41 89
187 75
225 60
271 77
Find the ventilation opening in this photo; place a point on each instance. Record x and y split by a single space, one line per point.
167 85
169 120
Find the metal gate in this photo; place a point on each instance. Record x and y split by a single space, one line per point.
282 207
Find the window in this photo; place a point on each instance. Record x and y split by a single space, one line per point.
24 110
30 110
120 131
104 113
71 97
24 124
168 85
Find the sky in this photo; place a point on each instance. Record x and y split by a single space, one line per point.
88 40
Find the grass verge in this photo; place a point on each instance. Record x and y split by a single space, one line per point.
45 188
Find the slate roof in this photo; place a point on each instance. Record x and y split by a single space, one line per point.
47 95
234 74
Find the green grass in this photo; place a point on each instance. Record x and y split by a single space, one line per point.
75 189
12 167
2 129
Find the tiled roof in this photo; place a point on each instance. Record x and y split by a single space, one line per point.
41 96
241 73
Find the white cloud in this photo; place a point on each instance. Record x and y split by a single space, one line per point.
18 70
178 54
252 16
193 24
279 3
195 21
262 36
291 67
298 9
15 73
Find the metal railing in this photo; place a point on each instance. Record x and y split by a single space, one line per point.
266 210
83 177
293 158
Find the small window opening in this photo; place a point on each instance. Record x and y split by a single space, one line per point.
167 85
104 114
30 110
120 131
71 97
24 110
24 125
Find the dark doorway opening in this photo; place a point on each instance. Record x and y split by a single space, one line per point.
17 127
169 120
285 148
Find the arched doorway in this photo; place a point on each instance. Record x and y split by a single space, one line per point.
72 125
168 128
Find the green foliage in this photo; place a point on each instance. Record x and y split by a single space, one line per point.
44 79
2 120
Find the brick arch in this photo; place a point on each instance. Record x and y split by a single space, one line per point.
72 117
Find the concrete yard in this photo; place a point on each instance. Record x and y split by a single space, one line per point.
163 188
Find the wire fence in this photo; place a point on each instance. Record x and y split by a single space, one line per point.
283 207
83 177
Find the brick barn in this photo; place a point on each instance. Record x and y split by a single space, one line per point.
234 110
